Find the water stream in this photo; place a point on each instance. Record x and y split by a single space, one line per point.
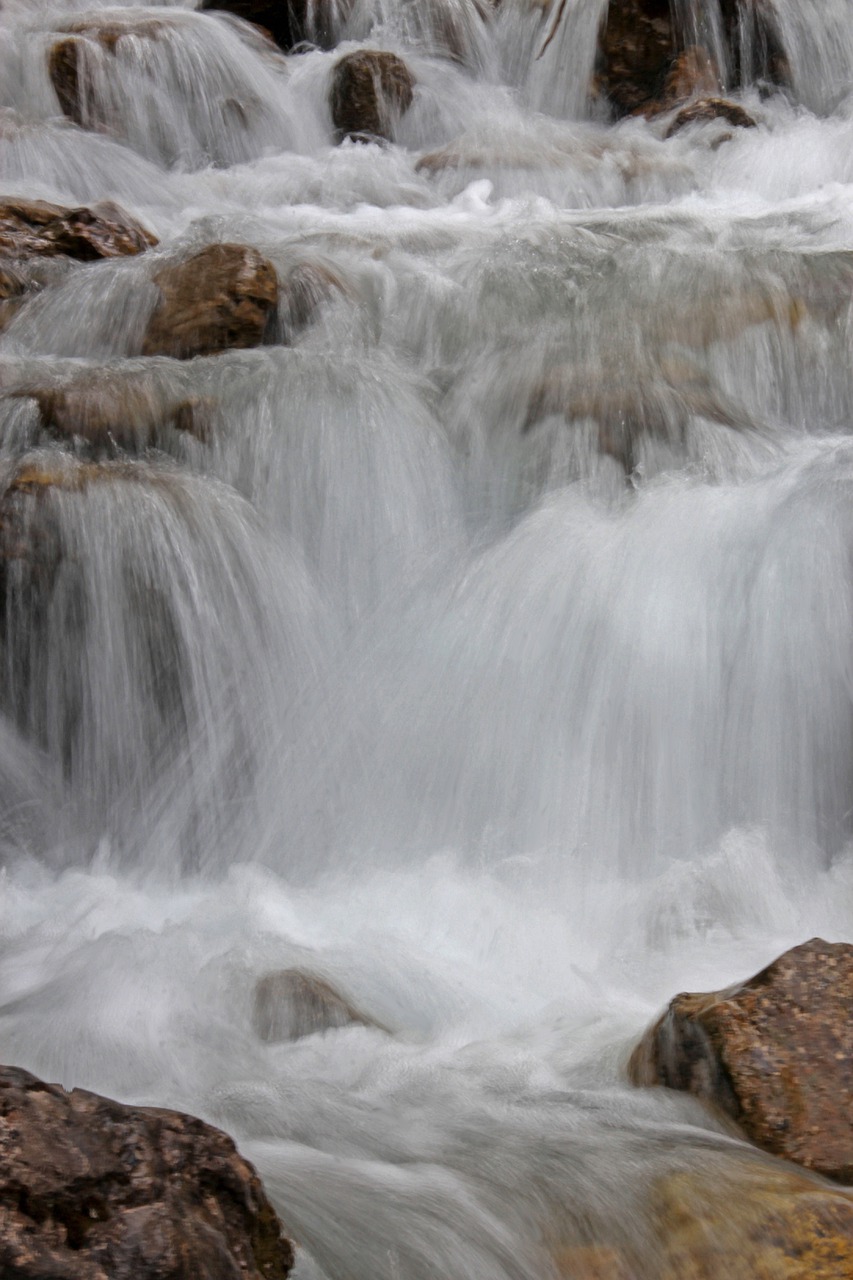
413 672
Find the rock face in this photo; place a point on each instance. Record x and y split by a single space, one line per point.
711 109
93 1190
291 1003
775 1053
370 91
34 227
218 299
636 47
290 23
86 40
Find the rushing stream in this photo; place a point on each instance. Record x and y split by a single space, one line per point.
415 672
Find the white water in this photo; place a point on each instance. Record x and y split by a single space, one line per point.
377 683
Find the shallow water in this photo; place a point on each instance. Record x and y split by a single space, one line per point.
398 676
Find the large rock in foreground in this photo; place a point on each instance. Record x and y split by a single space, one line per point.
218 299
93 1190
775 1053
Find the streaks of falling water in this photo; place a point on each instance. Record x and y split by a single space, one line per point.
387 671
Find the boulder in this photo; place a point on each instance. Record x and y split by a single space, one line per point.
636 47
734 1217
91 1189
85 40
370 91
292 1003
711 109
775 1053
220 298
36 228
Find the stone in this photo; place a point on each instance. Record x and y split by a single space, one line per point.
693 73
370 91
290 24
711 109
36 228
216 300
304 291
592 1262
292 1003
751 1223
91 1189
775 1053
85 39
636 46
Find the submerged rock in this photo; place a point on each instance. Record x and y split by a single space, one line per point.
219 299
370 91
36 228
712 109
94 1190
71 59
775 1053
291 1003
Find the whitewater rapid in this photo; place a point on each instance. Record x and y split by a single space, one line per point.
387 681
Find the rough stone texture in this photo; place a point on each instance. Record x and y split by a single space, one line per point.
693 72
35 227
636 47
593 1262
711 109
370 91
775 1053
218 299
291 1003
93 1190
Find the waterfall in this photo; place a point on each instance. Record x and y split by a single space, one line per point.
479 639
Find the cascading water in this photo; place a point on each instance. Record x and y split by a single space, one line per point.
488 654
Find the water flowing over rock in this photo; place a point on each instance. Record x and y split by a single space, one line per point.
36 228
290 23
775 1053
711 109
291 1003
370 91
218 299
94 1190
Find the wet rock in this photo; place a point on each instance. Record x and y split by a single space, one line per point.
636 47
35 227
775 1053
86 40
219 299
291 1003
94 1190
693 73
711 109
370 91
109 408
593 1262
290 24
304 291
751 1221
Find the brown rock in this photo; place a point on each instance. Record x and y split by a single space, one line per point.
751 1223
775 1053
289 24
370 91
592 1262
694 72
34 227
220 298
711 109
69 61
636 46
291 1003
94 1190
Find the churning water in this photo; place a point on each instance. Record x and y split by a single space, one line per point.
396 676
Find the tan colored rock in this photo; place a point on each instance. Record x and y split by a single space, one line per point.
292 1003
36 228
94 1190
693 73
83 40
775 1053
219 299
711 109
592 1262
370 91
751 1223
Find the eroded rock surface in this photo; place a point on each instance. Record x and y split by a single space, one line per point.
36 228
218 299
71 60
706 109
94 1190
775 1053
370 91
